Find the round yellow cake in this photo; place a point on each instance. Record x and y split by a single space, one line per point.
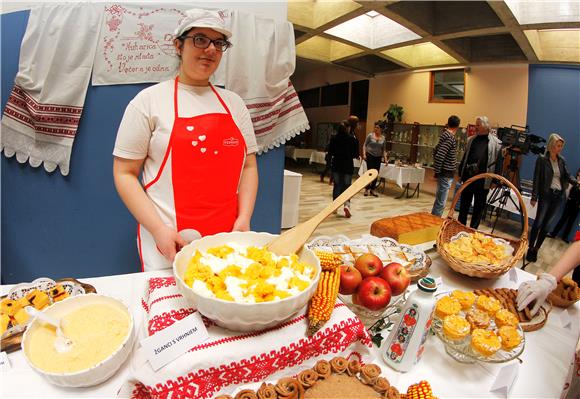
504 317
510 337
487 304
485 342
447 306
465 298
455 327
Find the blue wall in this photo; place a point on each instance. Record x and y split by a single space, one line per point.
554 106
76 226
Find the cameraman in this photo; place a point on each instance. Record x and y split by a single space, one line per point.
551 179
481 153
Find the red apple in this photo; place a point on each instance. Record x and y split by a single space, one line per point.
397 276
350 278
368 265
374 293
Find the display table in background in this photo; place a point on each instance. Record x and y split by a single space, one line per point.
297 153
290 198
318 157
403 176
545 362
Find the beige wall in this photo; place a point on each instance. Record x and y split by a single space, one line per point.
497 91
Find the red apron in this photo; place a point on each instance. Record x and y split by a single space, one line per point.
206 154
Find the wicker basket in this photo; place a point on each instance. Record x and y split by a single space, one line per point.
559 301
450 227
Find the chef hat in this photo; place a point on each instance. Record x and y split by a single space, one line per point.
200 18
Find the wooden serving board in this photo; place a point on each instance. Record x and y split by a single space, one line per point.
13 342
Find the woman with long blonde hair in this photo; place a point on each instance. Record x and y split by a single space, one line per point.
551 179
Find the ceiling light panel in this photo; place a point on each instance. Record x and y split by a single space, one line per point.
373 32
537 12
555 45
323 49
315 13
420 55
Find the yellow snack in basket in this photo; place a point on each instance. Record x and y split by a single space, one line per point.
477 248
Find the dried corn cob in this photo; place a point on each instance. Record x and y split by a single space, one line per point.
421 390
322 303
328 260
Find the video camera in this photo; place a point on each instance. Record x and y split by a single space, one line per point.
519 137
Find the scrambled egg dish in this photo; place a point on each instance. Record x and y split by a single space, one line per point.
246 274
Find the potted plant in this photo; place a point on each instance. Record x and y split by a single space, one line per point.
394 113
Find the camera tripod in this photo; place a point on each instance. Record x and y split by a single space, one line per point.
501 194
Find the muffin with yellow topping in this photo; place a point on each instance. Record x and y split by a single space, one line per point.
455 327
504 317
465 298
447 306
485 342
478 318
487 304
510 337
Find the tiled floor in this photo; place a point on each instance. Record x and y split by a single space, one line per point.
315 195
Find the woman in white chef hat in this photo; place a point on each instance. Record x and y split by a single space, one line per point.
195 146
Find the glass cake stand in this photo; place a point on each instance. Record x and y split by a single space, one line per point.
462 351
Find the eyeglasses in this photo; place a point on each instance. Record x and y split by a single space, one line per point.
203 42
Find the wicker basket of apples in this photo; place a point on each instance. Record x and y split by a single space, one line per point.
369 287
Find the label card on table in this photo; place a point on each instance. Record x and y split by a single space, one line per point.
513 275
4 362
173 341
565 319
505 379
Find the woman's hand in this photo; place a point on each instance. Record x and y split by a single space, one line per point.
168 241
241 224
535 292
364 157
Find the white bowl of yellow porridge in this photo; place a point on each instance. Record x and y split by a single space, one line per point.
101 331
233 280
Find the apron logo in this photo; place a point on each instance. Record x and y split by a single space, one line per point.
190 128
231 142
202 137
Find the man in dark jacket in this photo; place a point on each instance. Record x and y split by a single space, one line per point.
570 212
343 148
445 163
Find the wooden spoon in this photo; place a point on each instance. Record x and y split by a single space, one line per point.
292 240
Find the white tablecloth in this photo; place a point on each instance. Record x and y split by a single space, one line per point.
296 153
318 157
290 198
546 358
401 175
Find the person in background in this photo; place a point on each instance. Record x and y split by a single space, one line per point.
352 122
570 212
343 149
551 179
480 156
445 163
194 146
374 152
328 161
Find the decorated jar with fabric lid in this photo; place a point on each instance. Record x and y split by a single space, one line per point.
405 344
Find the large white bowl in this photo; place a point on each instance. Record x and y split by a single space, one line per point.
101 371
242 316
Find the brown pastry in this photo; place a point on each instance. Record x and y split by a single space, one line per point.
246 394
289 388
323 368
268 391
308 378
478 318
369 373
339 365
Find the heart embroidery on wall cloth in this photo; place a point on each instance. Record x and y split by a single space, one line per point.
202 138
203 150
190 128
194 143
